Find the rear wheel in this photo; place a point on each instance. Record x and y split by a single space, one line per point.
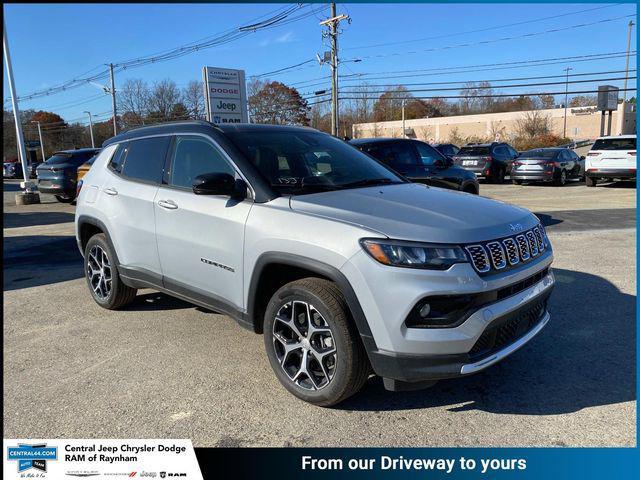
312 344
562 178
102 276
65 199
516 182
590 182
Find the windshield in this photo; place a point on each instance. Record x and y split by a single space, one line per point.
299 162
615 144
539 154
474 151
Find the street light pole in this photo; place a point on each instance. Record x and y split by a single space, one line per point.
566 99
14 103
41 142
93 145
626 75
404 130
113 100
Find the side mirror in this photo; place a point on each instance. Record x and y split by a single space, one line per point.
218 184
582 157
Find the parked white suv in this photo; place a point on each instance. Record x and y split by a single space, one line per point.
344 266
611 158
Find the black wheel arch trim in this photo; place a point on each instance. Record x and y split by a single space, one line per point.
86 219
320 268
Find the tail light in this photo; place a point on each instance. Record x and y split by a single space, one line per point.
592 154
631 153
78 187
487 158
516 163
455 158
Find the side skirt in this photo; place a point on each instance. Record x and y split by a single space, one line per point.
141 278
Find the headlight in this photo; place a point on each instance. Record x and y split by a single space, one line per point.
399 253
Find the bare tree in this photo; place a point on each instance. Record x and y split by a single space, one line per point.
133 101
164 96
193 99
533 124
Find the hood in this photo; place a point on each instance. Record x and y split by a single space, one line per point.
411 211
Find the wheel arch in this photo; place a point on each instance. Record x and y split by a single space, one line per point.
300 267
87 227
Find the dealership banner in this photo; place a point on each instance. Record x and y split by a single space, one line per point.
77 458
225 95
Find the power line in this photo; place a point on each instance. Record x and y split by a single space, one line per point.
478 43
496 27
463 82
468 68
495 95
280 18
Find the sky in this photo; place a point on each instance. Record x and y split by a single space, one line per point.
53 43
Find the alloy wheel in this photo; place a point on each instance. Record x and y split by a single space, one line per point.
99 272
304 345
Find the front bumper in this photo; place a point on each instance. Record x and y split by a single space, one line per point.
412 355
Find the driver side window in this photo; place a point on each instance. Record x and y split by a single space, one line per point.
193 156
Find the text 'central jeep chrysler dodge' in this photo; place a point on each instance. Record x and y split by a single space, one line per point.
345 267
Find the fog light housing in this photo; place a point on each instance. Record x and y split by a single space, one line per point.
446 311
425 310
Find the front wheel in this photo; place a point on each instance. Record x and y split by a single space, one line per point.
102 275
312 344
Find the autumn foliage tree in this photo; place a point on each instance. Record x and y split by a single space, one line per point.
277 104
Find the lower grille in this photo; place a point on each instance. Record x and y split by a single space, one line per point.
504 332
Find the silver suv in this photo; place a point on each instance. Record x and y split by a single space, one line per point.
346 268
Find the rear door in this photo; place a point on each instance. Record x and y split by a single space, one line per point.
200 237
616 153
135 172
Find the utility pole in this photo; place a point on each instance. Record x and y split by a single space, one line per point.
332 23
626 75
113 100
41 142
29 195
404 135
566 100
93 145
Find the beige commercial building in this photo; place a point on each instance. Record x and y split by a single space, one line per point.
582 123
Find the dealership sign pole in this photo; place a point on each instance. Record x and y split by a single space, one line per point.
225 95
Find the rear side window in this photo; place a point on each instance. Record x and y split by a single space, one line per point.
58 158
393 154
145 159
473 151
428 155
615 144
194 156
118 158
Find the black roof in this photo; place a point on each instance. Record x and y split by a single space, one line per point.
362 141
201 126
78 150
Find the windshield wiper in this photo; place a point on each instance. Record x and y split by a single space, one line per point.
368 182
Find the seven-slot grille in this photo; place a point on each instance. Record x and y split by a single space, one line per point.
507 252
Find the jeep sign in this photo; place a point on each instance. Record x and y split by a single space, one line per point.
225 95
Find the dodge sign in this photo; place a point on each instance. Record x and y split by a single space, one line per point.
225 95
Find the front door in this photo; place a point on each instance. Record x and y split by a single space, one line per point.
200 237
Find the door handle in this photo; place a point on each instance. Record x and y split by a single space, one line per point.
168 204
110 191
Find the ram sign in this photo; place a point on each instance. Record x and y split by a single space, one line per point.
225 95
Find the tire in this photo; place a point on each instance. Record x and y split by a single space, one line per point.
516 182
98 254
344 368
63 199
590 182
562 179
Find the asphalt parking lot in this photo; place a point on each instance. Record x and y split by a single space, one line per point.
163 368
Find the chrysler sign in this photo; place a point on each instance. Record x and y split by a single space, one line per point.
225 95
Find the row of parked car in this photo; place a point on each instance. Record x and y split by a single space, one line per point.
441 165
449 166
